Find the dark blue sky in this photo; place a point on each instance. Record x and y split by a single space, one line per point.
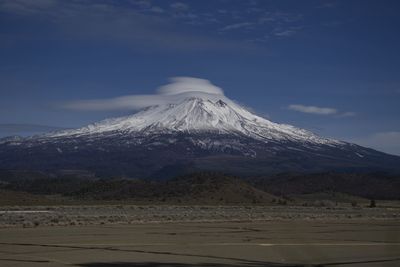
332 67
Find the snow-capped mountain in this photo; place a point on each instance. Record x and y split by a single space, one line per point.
197 115
196 133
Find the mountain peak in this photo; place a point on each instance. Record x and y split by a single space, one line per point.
196 115
221 103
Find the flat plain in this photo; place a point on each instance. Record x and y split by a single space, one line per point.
170 236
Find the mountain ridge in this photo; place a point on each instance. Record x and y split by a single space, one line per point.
197 133
196 114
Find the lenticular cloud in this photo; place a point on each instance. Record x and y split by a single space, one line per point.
181 85
178 89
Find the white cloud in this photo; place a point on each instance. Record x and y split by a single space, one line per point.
321 110
181 85
178 89
313 109
284 33
388 142
236 26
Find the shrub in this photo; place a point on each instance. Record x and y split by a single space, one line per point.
372 203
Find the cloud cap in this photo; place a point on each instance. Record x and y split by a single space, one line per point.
176 91
181 85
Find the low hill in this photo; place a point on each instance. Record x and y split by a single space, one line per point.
20 198
199 188
213 188
366 185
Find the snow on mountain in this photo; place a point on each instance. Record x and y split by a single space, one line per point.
197 115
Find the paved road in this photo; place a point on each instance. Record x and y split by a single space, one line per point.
303 243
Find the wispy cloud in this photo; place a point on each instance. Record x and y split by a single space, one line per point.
260 22
286 32
237 26
158 24
141 23
320 110
313 109
178 89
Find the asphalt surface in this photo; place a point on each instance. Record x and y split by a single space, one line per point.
271 243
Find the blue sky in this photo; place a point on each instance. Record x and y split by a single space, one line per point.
332 67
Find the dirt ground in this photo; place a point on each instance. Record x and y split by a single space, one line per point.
189 244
